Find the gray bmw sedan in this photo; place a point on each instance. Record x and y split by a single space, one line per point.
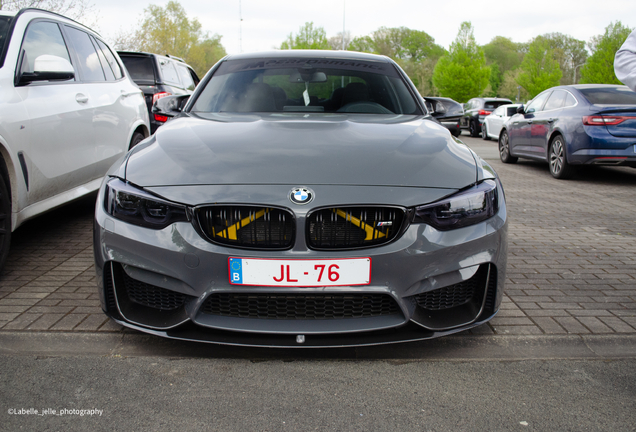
301 199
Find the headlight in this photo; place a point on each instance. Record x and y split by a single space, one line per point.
135 206
466 208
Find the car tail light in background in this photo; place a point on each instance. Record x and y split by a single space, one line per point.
598 120
155 98
484 112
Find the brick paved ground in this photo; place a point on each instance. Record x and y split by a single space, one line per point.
571 265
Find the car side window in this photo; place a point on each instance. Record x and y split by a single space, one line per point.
186 78
497 112
42 37
555 101
109 58
89 60
537 103
169 73
569 100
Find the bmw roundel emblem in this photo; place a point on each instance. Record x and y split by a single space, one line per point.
301 195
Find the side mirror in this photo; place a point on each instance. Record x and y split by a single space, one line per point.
170 106
521 110
45 68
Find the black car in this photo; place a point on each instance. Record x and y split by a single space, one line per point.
476 110
445 110
158 76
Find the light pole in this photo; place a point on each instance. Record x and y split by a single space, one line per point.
575 68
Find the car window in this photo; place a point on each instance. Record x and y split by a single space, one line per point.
619 95
301 85
89 60
42 37
510 111
537 103
495 104
168 72
111 61
140 69
186 78
569 100
5 23
498 112
555 101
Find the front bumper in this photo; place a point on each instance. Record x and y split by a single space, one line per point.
422 264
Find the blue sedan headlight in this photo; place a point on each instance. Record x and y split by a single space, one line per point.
465 208
137 207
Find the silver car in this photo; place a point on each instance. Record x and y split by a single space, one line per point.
301 198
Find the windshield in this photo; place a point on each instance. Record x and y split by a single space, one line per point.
5 22
306 85
620 95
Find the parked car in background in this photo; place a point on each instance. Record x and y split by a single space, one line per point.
158 76
301 198
493 123
446 111
67 113
574 126
476 110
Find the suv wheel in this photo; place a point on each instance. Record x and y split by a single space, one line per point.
136 139
5 222
472 128
484 132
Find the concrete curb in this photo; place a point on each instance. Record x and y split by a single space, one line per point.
452 348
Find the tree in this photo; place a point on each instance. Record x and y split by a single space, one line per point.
169 31
74 9
502 55
539 69
510 89
335 42
599 68
462 73
569 52
307 38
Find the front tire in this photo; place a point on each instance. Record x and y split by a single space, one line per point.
5 222
484 132
504 149
559 166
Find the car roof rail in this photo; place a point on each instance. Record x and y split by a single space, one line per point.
175 58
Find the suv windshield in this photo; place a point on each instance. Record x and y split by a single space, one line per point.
610 96
306 85
5 22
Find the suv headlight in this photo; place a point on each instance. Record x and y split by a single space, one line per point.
465 208
137 207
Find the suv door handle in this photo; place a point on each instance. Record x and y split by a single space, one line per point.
81 98
124 93
529 121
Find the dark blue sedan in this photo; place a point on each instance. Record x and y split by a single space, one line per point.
575 125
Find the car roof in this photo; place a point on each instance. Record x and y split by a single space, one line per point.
348 55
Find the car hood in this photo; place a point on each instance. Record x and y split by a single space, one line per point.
302 149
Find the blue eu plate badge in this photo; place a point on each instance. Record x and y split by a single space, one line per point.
236 270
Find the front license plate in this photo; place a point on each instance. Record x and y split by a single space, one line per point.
300 273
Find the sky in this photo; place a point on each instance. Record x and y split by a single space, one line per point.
266 24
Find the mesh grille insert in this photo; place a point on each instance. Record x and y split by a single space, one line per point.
453 295
248 226
353 227
300 306
152 296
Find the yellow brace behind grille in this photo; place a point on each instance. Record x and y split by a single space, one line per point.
230 232
372 233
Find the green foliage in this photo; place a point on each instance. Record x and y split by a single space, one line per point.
462 73
539 70
503 52
169 31
599 68
510 89
308 37
569 52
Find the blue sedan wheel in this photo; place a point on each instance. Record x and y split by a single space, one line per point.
559 166
504 149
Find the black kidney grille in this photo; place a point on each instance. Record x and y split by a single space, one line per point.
353 227
453 295
300 306
247 226
152 296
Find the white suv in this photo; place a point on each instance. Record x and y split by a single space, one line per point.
67 113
